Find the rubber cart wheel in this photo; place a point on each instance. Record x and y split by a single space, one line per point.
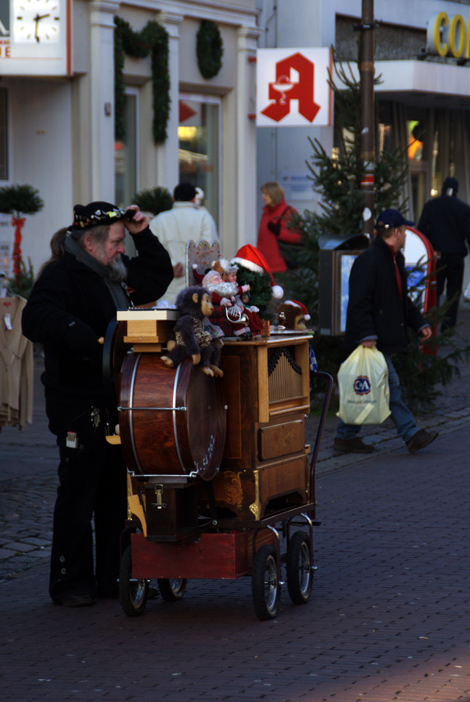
172 589
264 583
133 592
299 568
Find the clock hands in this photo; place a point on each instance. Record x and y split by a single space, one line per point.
37 19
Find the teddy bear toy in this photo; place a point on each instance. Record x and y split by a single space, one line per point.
192 339
293 315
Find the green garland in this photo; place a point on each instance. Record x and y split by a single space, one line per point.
209 49
152 39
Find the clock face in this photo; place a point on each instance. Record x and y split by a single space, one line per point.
36 21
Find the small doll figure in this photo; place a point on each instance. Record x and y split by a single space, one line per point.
228 272
254 320
192 339
225 296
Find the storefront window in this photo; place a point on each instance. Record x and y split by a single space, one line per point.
3 134
443 153
125 153
416 133
199 138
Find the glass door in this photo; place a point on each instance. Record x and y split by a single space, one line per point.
126 167
199 147
126 152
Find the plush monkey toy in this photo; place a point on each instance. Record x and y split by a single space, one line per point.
191 337
293 315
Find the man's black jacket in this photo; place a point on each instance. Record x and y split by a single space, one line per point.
70 307
375 308
446 223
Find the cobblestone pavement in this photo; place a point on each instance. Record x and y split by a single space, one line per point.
387 620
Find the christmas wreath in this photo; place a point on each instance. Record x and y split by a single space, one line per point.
209 49
152 39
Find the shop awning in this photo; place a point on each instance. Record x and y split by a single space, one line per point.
424 82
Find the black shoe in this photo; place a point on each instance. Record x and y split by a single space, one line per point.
421 439
355 445
75 600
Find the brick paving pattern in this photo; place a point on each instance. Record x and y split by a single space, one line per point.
387 619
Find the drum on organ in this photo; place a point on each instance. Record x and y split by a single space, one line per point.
172 420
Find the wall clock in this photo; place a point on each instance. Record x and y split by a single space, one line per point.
39 39
36 21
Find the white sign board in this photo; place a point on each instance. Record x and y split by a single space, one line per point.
292 88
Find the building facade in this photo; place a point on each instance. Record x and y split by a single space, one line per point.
422 54
57 111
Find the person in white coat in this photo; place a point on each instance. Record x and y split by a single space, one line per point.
175 227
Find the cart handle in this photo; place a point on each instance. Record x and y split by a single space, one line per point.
321 425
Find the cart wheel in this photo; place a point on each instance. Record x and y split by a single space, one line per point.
172 589
299 568
132 592
264 583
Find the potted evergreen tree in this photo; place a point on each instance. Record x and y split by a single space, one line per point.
19 200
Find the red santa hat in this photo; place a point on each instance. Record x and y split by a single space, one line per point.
251 258
302 307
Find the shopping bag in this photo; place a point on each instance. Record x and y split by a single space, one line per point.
364 394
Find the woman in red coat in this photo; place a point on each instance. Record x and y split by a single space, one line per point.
274 227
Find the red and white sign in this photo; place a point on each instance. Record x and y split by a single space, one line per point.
292 88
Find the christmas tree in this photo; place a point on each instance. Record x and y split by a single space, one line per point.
337 178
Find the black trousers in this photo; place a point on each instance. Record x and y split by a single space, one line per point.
449 275
92 484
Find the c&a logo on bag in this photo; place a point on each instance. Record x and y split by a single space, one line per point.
362 385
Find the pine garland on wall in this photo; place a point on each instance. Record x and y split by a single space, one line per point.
152 39
209 49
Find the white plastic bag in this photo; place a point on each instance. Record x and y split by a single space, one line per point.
363 387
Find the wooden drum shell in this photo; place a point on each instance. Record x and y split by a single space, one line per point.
182 433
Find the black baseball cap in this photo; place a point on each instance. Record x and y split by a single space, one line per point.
390 219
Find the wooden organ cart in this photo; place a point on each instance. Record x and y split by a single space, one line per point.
215 464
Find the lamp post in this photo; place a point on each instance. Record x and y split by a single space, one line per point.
367 147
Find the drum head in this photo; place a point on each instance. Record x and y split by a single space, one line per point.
172 421
205 422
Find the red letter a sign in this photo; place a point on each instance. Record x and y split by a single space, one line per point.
283 89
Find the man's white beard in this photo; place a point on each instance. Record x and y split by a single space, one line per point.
117 271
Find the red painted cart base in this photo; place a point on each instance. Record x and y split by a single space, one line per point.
214 556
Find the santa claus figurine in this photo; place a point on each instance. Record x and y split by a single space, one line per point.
228 272
228 307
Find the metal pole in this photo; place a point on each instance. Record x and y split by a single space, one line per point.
366 70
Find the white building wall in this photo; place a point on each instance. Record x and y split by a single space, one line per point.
311 23
62 130
41 143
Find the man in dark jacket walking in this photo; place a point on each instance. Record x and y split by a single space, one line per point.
445 220
379 311
76 295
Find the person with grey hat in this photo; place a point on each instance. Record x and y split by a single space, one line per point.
379 311
77 293
445 221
